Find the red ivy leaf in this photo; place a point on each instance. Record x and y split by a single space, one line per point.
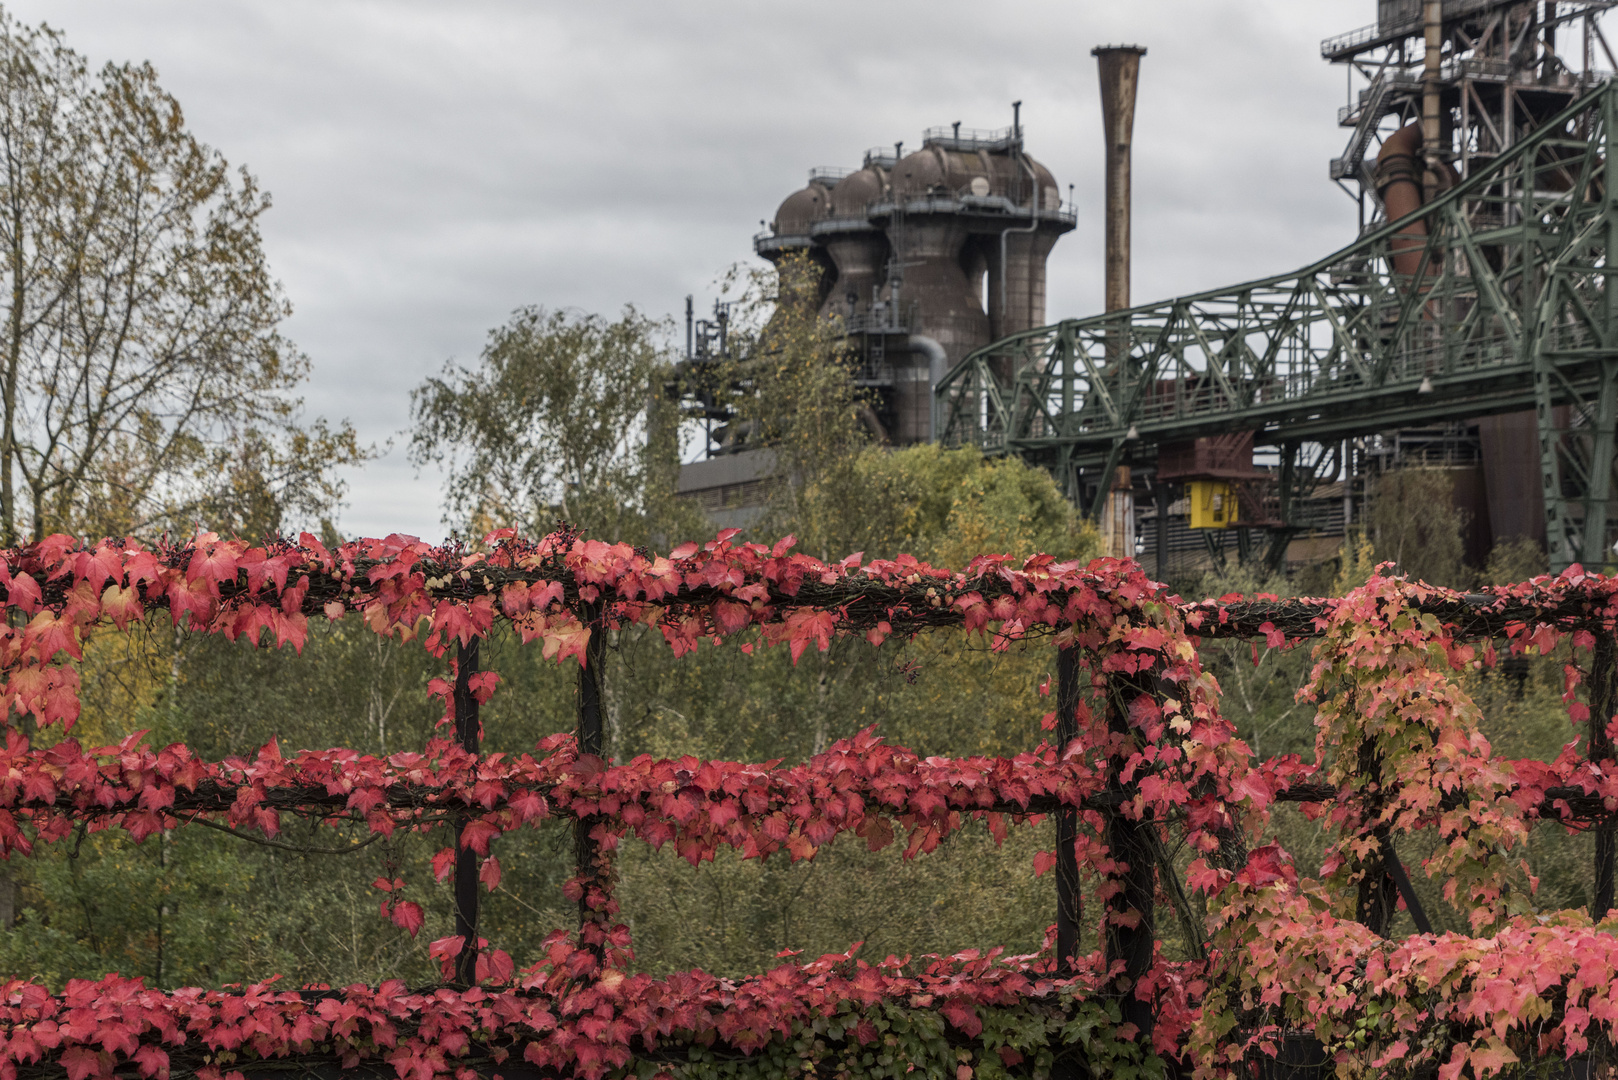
407 914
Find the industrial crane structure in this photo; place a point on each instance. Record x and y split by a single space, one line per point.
1478 288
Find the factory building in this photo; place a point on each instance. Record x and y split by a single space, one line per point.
925 257
1436 92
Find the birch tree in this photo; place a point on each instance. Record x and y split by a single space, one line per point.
563 417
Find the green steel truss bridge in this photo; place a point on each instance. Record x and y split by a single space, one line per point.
1507 309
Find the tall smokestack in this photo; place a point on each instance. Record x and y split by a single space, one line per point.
1120 73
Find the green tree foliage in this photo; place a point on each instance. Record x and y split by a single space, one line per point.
786 382
563 416
1415 523
143 381
947 506
1513 560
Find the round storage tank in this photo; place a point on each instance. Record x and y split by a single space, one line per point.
800 210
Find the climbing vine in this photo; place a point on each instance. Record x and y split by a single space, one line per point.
1140 754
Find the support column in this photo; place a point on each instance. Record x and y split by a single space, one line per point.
1603 703
1069 904
1596 554
1129 843
1378 894
1431 129
468 734
590 736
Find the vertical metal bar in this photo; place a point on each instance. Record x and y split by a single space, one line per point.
1466 128
1603 703
467 733
1401 881
1069 373
1559 541
1161 571
1595 554
1604 658
1069 909
590 738
590 732
1127 842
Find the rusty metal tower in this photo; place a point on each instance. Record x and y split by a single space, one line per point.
1468 79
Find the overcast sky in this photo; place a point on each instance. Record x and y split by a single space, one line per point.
436 165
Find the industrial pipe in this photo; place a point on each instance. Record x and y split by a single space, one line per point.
1402 178
1399 183
1119 68
1432 30
1120 74
937 368
1033 222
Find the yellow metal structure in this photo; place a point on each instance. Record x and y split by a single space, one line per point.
1213 503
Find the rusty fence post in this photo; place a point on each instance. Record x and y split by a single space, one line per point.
467 733
1130 927
1603 703
590 736
1069 910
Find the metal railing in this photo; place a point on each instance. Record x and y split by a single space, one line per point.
880 320
830 174
955 204
1334 47
1331 47
769 241
969 139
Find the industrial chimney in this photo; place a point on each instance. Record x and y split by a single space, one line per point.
1120 73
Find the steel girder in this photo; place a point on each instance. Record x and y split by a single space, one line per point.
1506 309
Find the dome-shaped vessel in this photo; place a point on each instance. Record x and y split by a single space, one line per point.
948 242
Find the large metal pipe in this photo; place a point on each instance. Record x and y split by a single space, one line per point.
1028 318
1399 182
1405 185
1120 74
937 368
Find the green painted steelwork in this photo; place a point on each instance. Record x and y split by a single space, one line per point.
1506 311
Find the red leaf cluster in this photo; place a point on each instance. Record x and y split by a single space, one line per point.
1386 674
